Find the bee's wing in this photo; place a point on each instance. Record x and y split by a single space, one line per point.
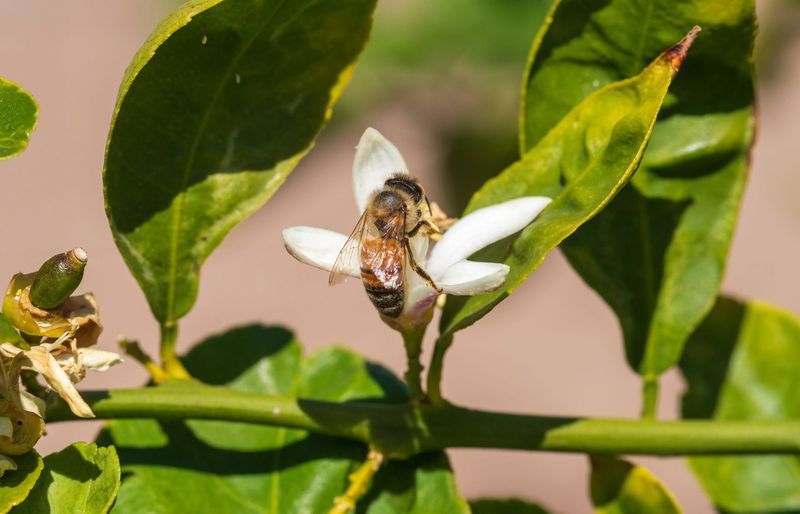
349 255
384 251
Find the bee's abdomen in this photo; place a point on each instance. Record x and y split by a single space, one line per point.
388 300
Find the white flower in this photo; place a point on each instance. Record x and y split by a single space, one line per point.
377 160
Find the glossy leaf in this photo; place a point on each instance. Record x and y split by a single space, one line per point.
618 487
80 478
215 111
420 485
582 163
657 253
18 116
505 506
210 466
17 484
741 363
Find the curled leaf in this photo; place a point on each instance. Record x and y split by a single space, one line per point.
42 361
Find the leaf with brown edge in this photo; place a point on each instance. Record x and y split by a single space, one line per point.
581 163
658 252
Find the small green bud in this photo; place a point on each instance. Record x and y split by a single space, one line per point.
58 278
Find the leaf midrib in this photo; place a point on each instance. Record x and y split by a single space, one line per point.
177 215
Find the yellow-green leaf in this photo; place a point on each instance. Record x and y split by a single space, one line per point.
214 112
582 163
9 334
81 478
18 115
15 485
618 487
742 363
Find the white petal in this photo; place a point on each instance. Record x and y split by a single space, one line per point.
482 228
467 278
98 360
419 297
419 247
318 247
9 350
376 160
6 428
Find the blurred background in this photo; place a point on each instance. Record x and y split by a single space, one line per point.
441 80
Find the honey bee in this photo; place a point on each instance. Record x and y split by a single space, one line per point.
380 243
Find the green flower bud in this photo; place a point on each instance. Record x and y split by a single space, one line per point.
58 278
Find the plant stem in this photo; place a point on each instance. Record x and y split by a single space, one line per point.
169 358
413 376
435 371
360 480
650 397
402 430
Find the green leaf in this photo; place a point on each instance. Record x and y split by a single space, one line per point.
9 334
80 478
215 111
420 485
210 466
741 363
657 253
618 487
505 506
17 484
581 163
18 115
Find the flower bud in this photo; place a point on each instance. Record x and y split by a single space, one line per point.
58 278
77 311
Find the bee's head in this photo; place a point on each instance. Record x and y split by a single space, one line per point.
406 185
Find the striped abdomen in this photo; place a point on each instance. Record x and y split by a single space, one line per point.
382 274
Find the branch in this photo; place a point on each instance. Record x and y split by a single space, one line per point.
401 430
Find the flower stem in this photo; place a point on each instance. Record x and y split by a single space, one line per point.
360 480
132 349
413 343
169 358
401 430
650 389
435 371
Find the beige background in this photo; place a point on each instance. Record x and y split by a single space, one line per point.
531 355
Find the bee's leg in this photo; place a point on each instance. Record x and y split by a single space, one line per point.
432 230
417 269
